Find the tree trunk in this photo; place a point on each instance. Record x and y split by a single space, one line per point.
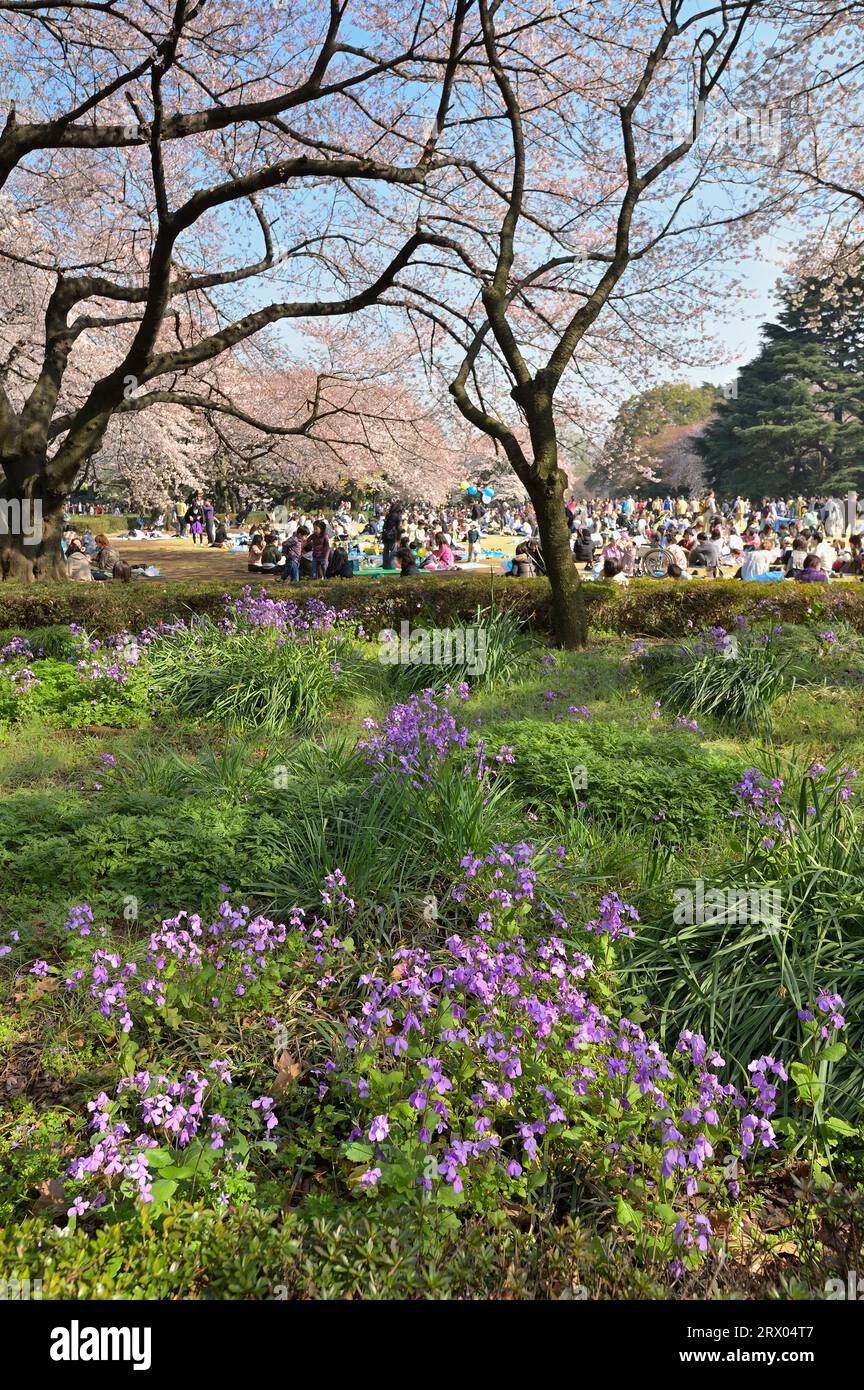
569 617
31 524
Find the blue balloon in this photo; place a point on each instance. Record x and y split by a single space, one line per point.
472 491
488 493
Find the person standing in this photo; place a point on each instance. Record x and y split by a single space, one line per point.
209 511
390 534
195 521
292 549
319 548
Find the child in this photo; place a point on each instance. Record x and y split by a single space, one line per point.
319 550
472 538
256 553
406 558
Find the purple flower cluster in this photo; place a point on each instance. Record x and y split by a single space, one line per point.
687 725
760 796
829 1005
417 738
238 948
612 919
284 615
113 661
15 658
512 871
500 1050
172 1110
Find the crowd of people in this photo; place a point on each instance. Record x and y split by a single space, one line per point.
411 541
810 540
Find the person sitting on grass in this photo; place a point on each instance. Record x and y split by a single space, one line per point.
105 559
339 565
442 557
271 554
406 558
612 570
707 551
676 572
255 553
77 564
796 557
583 547
522 566
811 572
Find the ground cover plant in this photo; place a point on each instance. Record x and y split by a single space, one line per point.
323 979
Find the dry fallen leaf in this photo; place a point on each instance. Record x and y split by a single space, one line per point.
52 1197
287 1072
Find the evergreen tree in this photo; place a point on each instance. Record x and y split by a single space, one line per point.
796 422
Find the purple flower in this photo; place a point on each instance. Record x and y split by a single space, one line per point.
379 1129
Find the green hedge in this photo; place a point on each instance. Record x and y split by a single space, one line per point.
110 525
319 1251
377 603
646 607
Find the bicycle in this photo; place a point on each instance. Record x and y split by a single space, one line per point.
654 563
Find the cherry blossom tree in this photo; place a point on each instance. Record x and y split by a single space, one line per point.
593 233
523 193
147 147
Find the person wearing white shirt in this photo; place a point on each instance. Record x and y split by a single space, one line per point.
826 555
756 563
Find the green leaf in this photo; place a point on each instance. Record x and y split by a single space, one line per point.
163 1191
359 1153
627 1217
159 1158
446 1197
840 1127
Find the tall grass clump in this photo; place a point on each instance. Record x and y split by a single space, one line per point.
485 652
733 677
786 926
255 670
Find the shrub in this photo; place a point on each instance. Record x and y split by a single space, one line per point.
666 781
645 608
